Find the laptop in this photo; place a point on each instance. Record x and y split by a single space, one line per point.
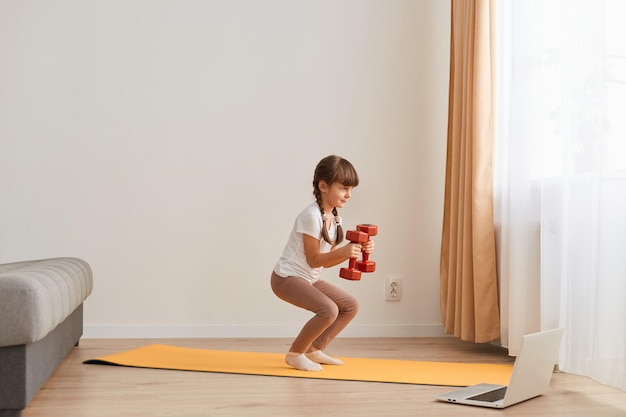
531 375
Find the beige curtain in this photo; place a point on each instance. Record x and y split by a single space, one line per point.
469 292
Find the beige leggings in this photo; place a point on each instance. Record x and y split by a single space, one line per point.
333 307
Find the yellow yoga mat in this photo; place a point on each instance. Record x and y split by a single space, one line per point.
272 364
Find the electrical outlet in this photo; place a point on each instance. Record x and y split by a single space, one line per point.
393 289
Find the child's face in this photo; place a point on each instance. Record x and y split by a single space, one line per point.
335 195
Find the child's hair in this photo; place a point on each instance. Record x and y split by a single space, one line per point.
333 169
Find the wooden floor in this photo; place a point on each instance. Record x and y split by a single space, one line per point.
83 390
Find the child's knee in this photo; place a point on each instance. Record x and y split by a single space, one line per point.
329 311
351 308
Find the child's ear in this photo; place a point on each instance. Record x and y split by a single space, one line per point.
323 186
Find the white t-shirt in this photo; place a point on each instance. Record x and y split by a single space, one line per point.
293 262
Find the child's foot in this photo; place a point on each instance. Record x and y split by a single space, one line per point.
301 362
318 356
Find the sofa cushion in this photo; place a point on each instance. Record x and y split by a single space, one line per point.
36 296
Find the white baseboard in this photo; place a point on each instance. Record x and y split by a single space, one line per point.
156 331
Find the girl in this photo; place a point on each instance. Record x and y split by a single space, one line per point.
313 245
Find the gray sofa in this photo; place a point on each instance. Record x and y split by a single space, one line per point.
41 320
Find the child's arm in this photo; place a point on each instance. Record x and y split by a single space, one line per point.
317 259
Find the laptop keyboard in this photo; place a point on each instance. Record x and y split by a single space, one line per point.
490 396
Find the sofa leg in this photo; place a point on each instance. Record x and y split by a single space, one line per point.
10 413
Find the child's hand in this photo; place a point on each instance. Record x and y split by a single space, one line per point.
369 246
352 250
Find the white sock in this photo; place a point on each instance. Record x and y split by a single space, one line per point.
318 356
301 362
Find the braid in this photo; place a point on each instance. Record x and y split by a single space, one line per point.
339 236
324 226
325 236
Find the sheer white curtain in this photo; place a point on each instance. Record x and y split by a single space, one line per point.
561 188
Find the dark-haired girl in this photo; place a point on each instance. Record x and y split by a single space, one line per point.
312 245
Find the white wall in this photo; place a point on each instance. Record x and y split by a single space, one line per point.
171 144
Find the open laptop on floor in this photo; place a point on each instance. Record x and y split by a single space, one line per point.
530 378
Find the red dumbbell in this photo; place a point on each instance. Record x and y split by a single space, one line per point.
365 265
351 273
